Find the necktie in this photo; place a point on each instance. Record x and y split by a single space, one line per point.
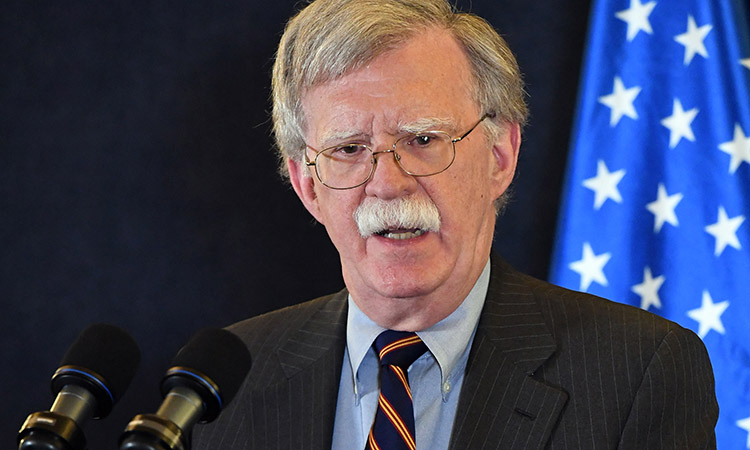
393 428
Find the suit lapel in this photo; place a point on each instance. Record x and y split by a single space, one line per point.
320 337
311 360
501 404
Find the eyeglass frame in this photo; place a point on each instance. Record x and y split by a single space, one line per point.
396 156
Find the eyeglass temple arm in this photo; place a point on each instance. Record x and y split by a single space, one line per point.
490 115
309 163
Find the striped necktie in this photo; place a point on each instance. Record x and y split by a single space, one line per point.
393 428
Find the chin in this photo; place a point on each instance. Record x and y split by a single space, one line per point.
395 283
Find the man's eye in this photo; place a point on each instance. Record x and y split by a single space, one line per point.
348 150
421 140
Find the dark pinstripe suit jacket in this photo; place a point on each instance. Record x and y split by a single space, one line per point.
549 369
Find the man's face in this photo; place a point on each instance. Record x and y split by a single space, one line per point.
415 282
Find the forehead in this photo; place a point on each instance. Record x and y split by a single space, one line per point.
426 78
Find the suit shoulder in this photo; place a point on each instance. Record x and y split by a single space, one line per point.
567 311
270 330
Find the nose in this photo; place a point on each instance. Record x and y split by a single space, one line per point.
389 180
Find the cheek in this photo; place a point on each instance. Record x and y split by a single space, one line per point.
472 182
337 209
486 178
464 196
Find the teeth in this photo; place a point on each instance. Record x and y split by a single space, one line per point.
402 235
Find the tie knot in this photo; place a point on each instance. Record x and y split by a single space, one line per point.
399 348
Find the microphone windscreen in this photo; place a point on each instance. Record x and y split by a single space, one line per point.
107 350
220 355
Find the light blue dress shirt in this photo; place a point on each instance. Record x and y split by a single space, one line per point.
435 378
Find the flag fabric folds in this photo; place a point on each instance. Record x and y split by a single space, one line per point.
655 210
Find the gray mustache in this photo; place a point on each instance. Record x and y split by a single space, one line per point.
374 215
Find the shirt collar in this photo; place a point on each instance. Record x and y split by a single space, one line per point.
447 340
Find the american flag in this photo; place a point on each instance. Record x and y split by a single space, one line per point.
656 203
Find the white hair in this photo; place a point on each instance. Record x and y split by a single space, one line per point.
375 215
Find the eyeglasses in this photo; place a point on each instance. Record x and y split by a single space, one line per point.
419 154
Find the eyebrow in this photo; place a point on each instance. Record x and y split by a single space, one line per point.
428 124
333 137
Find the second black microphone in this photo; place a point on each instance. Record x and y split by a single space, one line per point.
204 376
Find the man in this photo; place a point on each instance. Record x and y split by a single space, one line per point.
399 126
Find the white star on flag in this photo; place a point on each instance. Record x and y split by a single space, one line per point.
620 102
746 63
604 184
708 315
663 208
725 231
590 267
637 17
692 39
745 425
738 149
679 123
648 290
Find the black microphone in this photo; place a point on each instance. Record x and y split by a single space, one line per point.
94 373
204 377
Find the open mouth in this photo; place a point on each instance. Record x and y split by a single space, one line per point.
401 234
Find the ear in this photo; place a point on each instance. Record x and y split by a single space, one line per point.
505 153
304 185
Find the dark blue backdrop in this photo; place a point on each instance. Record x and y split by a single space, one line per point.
137 184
